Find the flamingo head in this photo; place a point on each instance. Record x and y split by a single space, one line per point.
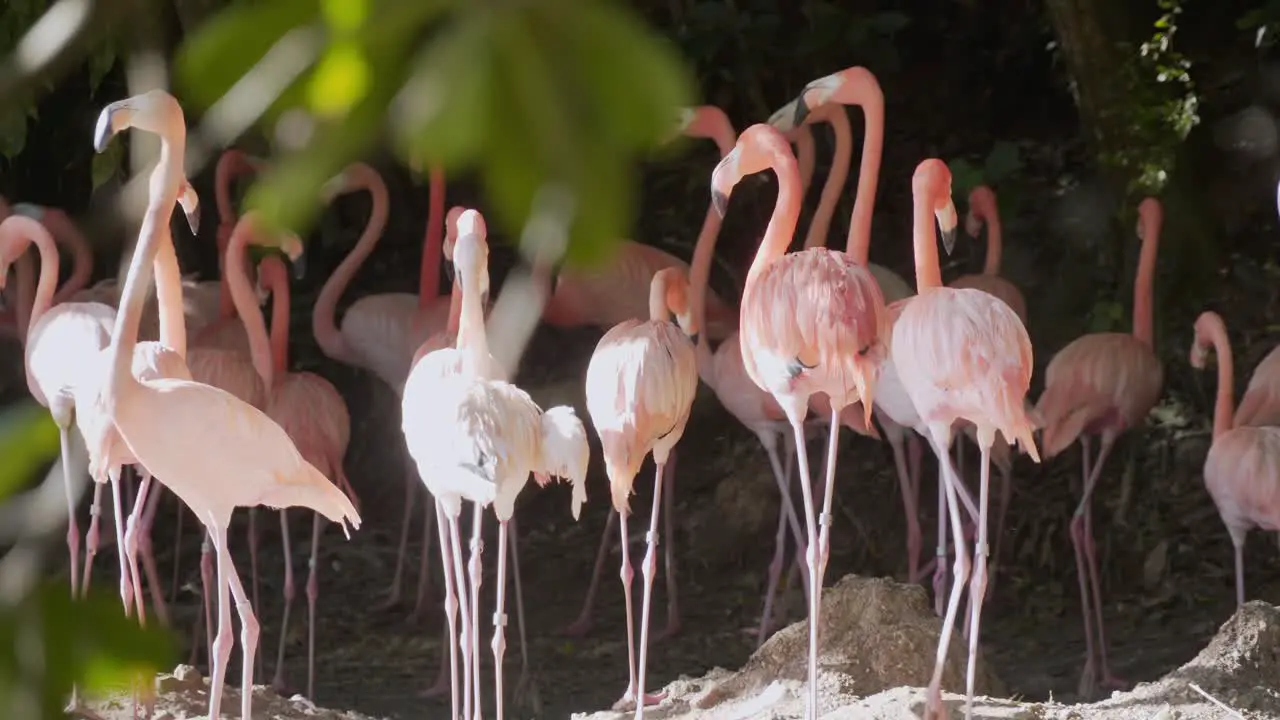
1208 325
471 253
851 86
931 184
759 146
982 205
190 203
15 237
155 111
706 121
670 293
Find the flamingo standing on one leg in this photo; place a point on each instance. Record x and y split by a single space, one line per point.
214 451
1242 469
703 121
1103 384
962 355
641 382
811 322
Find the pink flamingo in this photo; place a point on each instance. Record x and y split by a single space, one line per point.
1103 384
961 354
66 235
470 357
703 121
214 451
1260 405
306 405
812 322
1242 470
641 382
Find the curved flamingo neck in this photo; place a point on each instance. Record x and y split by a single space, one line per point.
66 233
36 234
231 163
1144 282
806 156
471 335
858 243
925 243
836 178
323 317
995 247
432 255
658 309
275 277
1224 404
786 210
246 302
25 290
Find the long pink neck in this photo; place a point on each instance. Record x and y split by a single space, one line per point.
36 233
925 239
995 247
658 309
231 163
432 255
246 302
455 310
836 178
786 210
69 236
471 335
275 277
806 155
324 314
1224 404
1143 284
858 243
24 288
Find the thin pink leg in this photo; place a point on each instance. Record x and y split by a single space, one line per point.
1107 679
1095 669
464 641
410 496
73 528
978 583
1239 553
526 680
668 557
145 548
313 592
915 537
647 570
253 554
775 575
499 643
630 697
221 652
933 706
91 536
475 570
206 582
177 548
130 553
248 625
582 625
117 509
786 514
940 556
424 568
277 682
450 642
811 559
1006 495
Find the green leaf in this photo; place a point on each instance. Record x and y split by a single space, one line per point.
13 132
1003 161
100 64
106 164
28 440
340 80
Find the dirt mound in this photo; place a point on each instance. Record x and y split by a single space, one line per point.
184 695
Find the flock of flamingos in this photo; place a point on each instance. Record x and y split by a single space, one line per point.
821 337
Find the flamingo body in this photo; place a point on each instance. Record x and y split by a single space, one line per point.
1261 402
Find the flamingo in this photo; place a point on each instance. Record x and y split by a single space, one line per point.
961 354
1242 470
213 450
703 121
1103 384
641 382
1260 405
812 321
470 357
67 236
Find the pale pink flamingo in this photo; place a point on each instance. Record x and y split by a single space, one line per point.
214 451
641 382
709 122
1260 406
1242 469
1103 384
812 322
961 354
470 357
68 237
306 405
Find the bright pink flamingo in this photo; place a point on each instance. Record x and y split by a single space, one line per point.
214 451
812 322
306 405
641 382
1103 384
703 121
961 354
1242 470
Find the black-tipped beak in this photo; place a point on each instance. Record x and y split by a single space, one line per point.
720 202
448 270
299 267
193 219
949 240
802 110
103 133
695 337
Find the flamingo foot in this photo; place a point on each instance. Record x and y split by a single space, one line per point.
441 687
579 628
1111 682
670 631
627 702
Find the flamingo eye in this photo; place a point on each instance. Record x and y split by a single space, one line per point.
864 350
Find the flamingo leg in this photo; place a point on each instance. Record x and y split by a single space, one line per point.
464 640
940 556
449 643
786 514
130 553
933 706
526 680
277 682
410 496
177 550
126 587
222 644
424 569
1238 544
582 625
668 557
647 571
499 643
1096 668
1006 495
978 583
153 495
91 536
775 574
313 593
633 694
915 538
811 557
253 553
206 582
475 570
248 627
73 528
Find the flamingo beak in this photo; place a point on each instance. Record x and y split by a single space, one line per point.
788 117
949 240
112 117
193 217
723 178
299 264
448 270
720 202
